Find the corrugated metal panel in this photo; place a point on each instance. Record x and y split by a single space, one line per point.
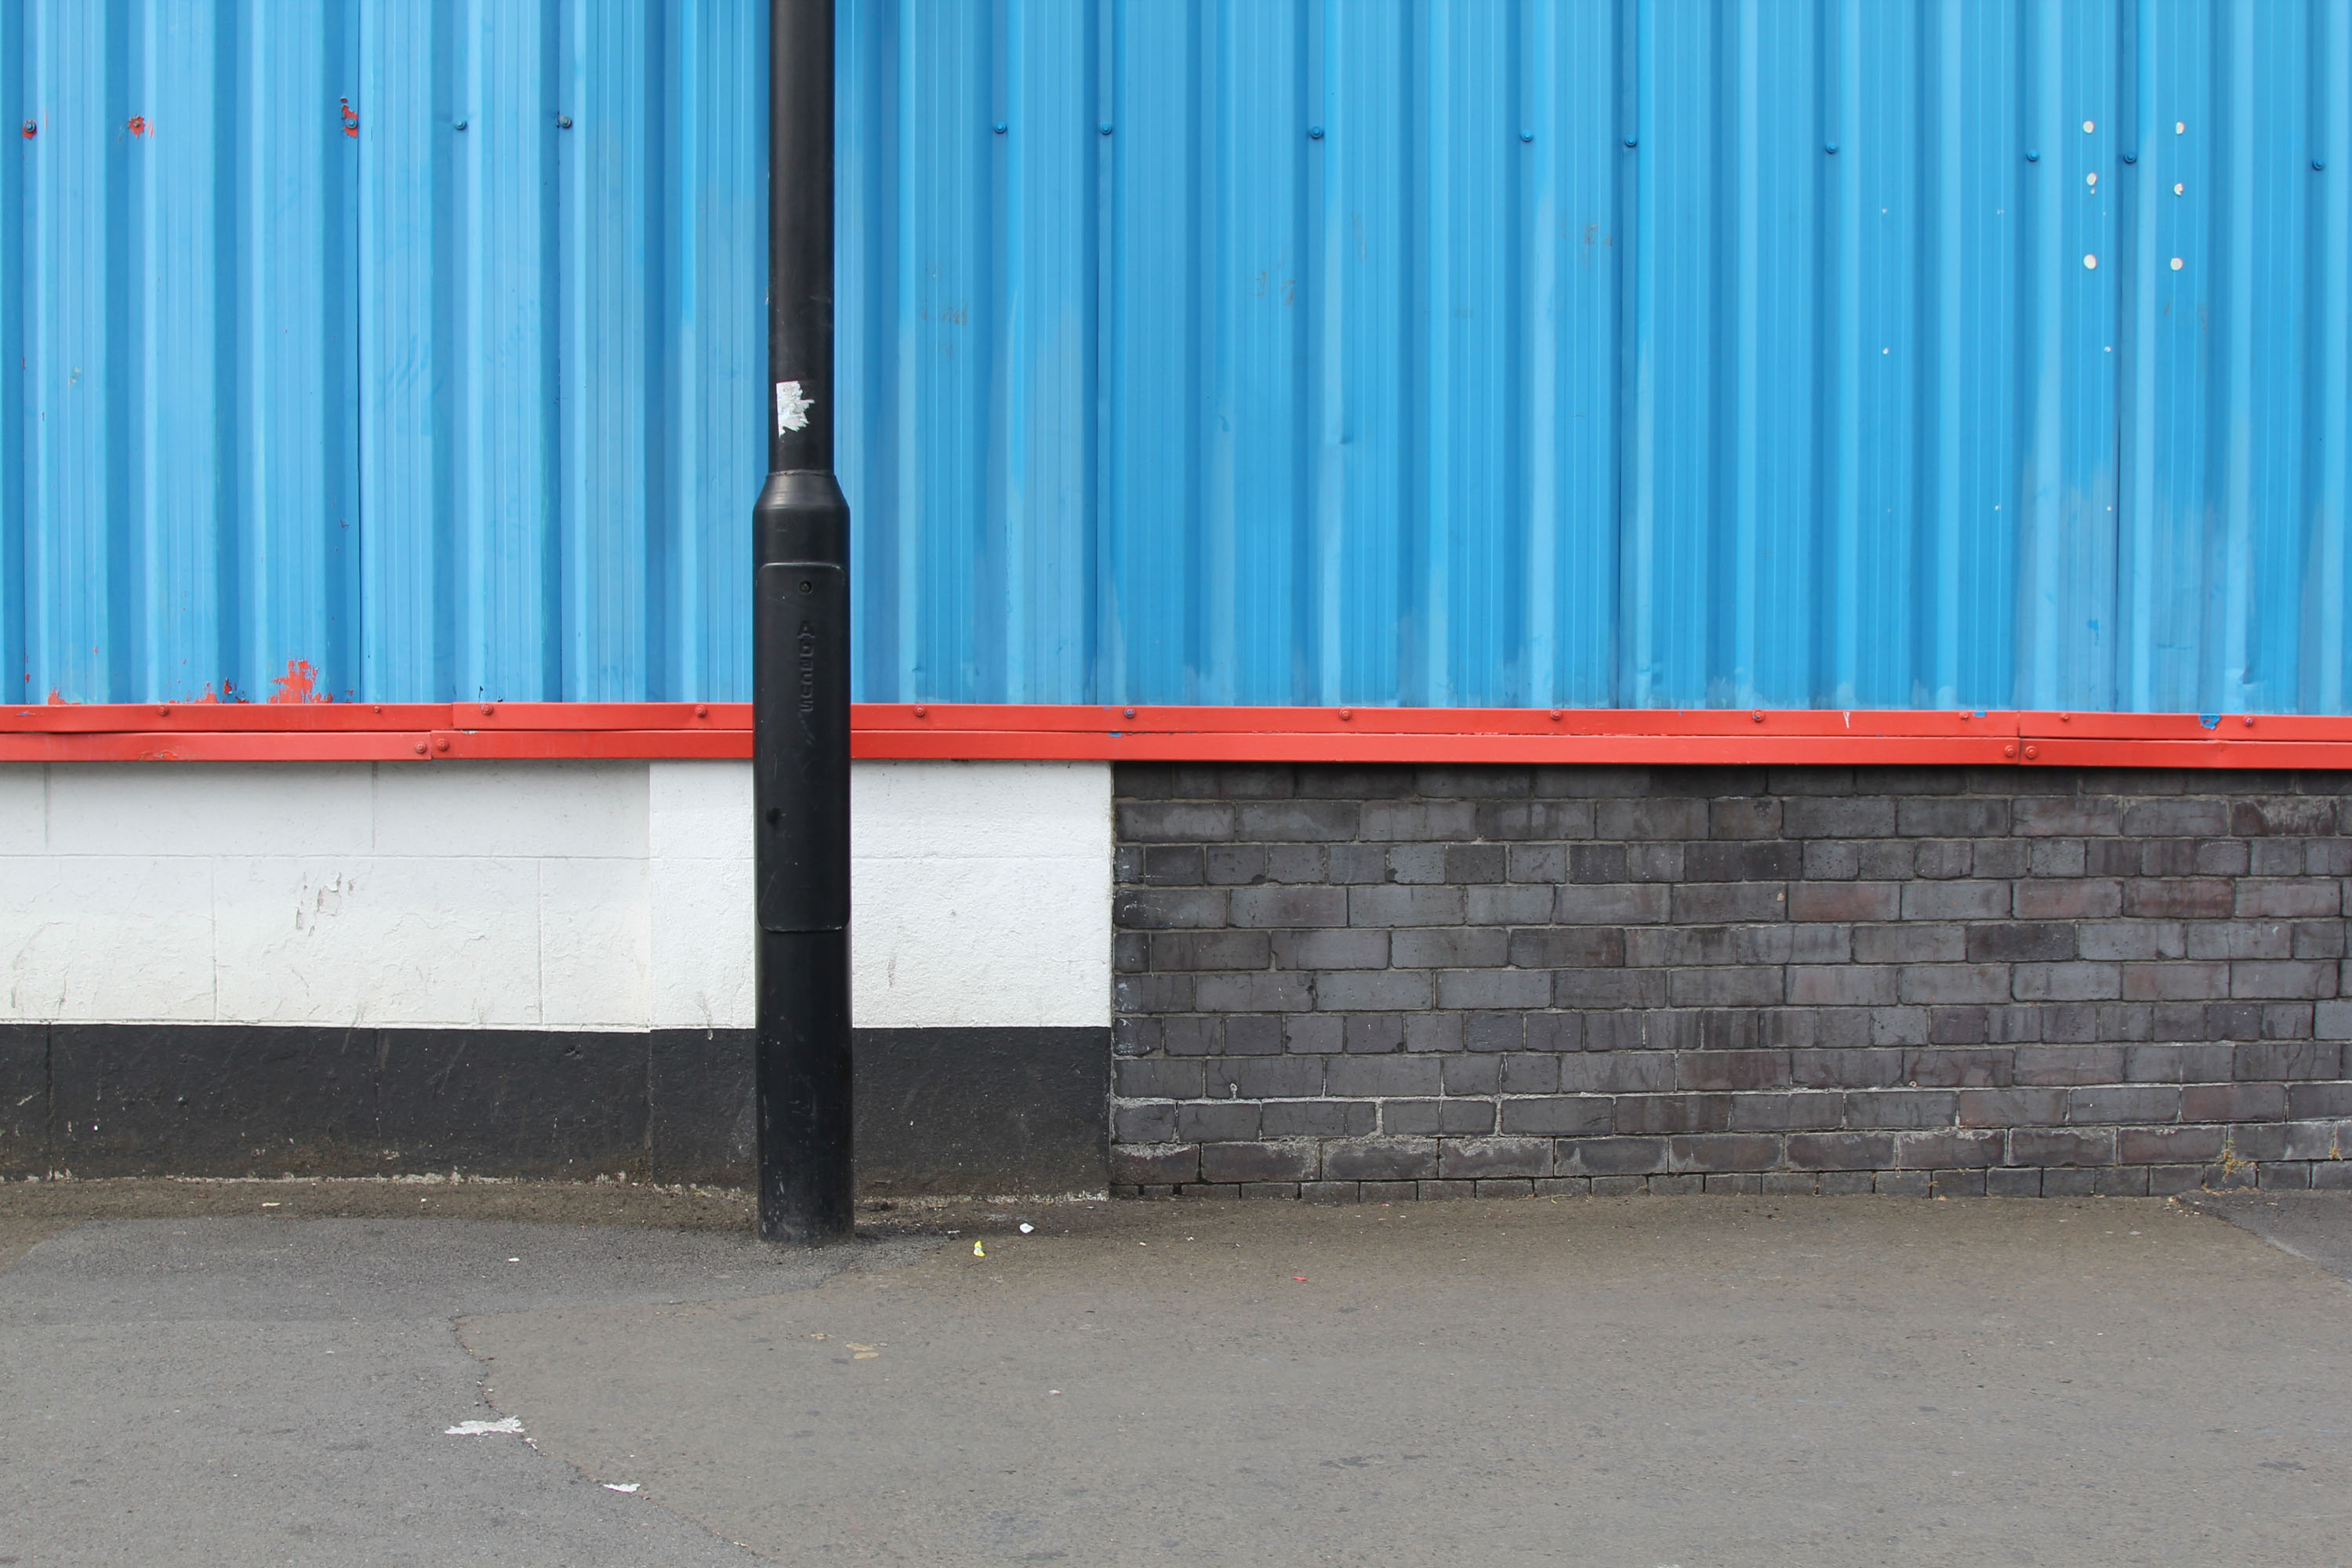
1653 353
346 366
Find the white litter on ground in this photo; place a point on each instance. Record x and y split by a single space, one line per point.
620 1486
482 1429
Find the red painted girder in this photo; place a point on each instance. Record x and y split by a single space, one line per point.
217 746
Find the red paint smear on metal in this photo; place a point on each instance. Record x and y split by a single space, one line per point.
137 126
350 119
300 684
303 729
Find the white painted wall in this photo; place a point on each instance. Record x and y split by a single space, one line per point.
532 895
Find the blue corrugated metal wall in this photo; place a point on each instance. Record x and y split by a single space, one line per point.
1643 353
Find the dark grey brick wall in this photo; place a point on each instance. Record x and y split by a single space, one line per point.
1347 983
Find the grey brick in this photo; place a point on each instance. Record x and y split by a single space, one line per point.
1832 860
1617 1072
1343 949
1433 1032
1320 1119
1416 863
1868 1067
1177 950
1560 1114
2297 898
1276 991
2302 817
1623 905
1453 947
2288 978
2015 941
1902 1107
1284 906
1592 863
1958 816
1168 908
1530 1073
2066 981
1177 821
2014 1107
1954 983
1494 1031
1567 947
1702 946
1153 993
1723 903
1948 1149
1485 1158
2233 1101
1476 862
1154 1121
1590 988
2131 1102
2013 1183
1516 905
1440 821
1167 864
1267 1077
1398 906
1259 1035
1381 1077
2178 1064
2065 1146
2065 816
1942 858
1233 865
1748 816
1155 1163
1159 1079
1382 1160
1295 863
1856 816
1373 991
1191 1036
1474 1075
1533 819
2068 1064
1726 1071
1295 821
2286 1062
2167 1145
1941 1066
1347 865
1260 1161
2055 857
1674 1112
1539 862
2175 982
1314 1034
2184 898
2130 940
1845 901
2180 818
1654 817
1654 862
1911 942
2076 899
1609 1157
1841 1150
1460 989
1733 861
1217 1121
1963 900
1744 986
2000 858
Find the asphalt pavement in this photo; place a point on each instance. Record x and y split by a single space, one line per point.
551 1375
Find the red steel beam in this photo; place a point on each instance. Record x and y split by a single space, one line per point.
420 731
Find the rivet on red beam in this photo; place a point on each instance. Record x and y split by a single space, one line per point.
2032 752
1346 712
2008 751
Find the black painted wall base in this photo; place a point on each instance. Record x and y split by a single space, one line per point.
939 1111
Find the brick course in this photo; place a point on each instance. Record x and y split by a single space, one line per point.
1342 982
